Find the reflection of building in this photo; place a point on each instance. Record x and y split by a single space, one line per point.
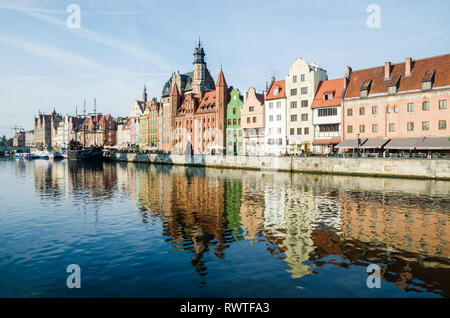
252 205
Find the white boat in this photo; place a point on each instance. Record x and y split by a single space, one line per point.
23 155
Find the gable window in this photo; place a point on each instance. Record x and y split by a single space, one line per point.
294 79
251 108
234 109
302 77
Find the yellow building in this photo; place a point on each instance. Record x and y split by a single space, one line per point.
148 125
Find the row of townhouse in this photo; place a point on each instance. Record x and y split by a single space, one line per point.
399 106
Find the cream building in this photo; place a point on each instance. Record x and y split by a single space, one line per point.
252 122
301 85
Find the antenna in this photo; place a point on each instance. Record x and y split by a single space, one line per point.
84 108
95 106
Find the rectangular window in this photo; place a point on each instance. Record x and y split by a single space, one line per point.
362 128
306 131
271 118
293 117
410 107
234 110
388 109
248 120
229 122
234 121
362 111
254 119
292 131
251 108
279 130
299 131
302 77
410 126
425 125
442 124
293 104
443 104
304 117
278 104
304 90
278 117
327 112
349 112
304 103
426 106
395 109
294 78
293 92
374 110
391 127
270 105
375 128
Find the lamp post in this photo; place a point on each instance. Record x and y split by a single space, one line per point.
287 143
359 142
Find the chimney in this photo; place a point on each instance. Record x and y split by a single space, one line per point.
387 70
408 66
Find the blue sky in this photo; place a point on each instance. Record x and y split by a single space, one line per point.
122 44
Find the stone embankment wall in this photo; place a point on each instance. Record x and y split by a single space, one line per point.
406 168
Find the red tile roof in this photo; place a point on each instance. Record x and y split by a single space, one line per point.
207 103
281 86
260 98
334 86
422 69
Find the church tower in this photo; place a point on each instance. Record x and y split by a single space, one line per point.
144 94
199 76
221 104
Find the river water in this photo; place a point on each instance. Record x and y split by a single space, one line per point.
139 230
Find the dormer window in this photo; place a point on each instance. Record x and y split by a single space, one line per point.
365 87
392 89
328 96
427 79
393 84
275 91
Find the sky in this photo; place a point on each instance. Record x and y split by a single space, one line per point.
122 45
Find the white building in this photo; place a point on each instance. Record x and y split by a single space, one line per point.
327 115
301 85
275 119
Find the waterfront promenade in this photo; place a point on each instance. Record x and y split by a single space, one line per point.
437 169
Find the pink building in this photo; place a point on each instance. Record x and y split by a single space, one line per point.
395 106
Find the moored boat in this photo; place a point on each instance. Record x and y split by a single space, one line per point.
76 151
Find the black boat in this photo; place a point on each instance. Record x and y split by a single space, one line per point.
76 151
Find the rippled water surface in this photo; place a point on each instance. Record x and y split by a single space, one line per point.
161 231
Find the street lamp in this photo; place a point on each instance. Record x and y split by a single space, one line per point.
359 142
287 143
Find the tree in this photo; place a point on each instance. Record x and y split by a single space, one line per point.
10 142
3 141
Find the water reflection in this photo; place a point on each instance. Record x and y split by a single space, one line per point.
306 221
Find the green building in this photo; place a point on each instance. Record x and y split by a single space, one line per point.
235 134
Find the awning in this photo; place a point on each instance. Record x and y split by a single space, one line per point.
333 141
351 143
403 143
375 143
434 143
